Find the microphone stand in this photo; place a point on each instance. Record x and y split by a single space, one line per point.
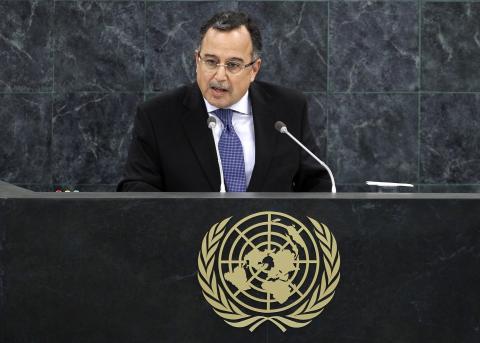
282 128
212 122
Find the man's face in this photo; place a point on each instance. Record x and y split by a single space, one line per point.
221 88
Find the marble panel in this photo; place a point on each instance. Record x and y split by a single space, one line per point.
3 234
99 46
151 95
294 38
450 0
373 46
25 138
26 58
172 35
449 138
317 111
372 1
373 137
97 188
451 46
362 188
36 187
71 188
445 188
110 0
80 188
91 136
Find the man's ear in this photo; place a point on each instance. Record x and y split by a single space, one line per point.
195 56
255 69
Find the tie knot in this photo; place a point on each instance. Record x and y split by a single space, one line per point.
225 115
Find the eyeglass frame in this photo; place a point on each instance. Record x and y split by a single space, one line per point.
243 66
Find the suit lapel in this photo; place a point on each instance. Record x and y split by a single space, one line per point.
194 120
265 136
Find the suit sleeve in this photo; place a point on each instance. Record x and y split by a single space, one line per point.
143 171
311 177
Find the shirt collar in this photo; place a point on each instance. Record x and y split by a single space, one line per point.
242 106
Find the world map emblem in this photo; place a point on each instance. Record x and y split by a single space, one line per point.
268 267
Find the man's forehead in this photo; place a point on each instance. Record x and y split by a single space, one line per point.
235 43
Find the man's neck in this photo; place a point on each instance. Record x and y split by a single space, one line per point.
241 106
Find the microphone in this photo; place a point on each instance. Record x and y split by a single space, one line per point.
212 123
282 128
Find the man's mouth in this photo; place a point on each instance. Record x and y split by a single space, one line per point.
218 90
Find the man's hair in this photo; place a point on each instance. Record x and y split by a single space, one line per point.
231 20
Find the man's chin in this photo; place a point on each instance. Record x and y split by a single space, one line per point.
220 102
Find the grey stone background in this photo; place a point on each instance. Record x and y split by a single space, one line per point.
394 86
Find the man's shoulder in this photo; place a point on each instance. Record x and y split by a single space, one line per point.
277 92
169 99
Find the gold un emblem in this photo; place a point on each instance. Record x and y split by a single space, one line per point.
268 266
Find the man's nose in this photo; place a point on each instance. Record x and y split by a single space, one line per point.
221 73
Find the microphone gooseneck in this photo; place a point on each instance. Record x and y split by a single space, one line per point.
282 128
212 123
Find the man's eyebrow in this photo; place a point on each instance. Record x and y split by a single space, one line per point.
210 55
232 59
235 59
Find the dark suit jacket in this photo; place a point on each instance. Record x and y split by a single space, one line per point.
173 150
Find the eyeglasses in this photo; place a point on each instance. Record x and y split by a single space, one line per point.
231 66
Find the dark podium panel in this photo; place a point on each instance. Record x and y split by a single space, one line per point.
100 267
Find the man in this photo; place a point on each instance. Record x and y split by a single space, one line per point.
174 150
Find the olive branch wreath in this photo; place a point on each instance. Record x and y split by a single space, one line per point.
234 316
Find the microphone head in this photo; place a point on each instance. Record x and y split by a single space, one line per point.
211 122
280 126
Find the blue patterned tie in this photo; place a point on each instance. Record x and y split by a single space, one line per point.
231 154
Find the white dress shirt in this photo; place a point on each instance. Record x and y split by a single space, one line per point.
242 121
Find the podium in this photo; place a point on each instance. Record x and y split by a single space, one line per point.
123 267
